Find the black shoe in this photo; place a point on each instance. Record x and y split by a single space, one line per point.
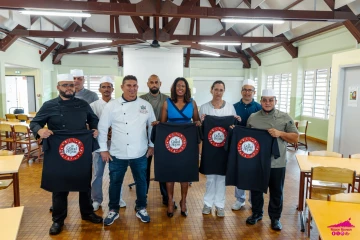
56 228
92 218
165 202
51 209
254 218
276 225
183 213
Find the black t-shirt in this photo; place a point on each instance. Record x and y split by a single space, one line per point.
249 162
214 156
68 161
176 152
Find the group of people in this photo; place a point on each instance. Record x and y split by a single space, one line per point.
123 127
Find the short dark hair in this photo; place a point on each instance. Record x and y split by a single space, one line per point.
128 77
187 95
217 82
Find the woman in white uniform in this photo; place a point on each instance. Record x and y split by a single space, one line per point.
215 184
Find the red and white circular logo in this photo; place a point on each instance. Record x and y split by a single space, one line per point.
217 136
248 147
71 149
175 142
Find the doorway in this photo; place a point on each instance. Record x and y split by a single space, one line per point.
20 93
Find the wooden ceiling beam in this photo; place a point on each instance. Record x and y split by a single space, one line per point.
253 55
188 50
48 51
6 42
293 51
350 25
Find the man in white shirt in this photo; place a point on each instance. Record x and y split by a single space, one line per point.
106 88
80 91
129 117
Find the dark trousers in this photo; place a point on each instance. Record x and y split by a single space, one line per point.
60 203
276 186
162 185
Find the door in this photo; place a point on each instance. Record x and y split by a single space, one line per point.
350 117
20 93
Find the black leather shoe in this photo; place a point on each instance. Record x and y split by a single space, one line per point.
56 228
165 202
92 218
254 218
276 225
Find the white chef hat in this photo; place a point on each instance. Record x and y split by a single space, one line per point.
248 82
77 72
65 77
268 93
106 79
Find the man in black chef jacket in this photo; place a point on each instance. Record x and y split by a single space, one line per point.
66 112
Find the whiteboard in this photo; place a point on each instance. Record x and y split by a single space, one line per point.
202 88
168 65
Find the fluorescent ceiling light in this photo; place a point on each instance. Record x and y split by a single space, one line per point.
58 13
88 40
250 20
219 43
99 50
210 53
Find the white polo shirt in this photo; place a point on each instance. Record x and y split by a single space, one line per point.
128 121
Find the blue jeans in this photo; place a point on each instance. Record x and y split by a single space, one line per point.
118 168
97 179
241 195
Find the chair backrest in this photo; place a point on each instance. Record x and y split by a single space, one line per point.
345 197
32 112
5 128
303 125
325 154
6 153
21 129
357 155
13 120
2 119
10 116
28 121
333 174
22 117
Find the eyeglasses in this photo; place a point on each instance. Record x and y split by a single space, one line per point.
247 90
65 85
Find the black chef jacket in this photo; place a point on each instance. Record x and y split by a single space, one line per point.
214 156
60 114
249 162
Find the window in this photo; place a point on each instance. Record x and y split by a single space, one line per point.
281 83
316 95
92 83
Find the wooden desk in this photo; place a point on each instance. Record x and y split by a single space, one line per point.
9 169
306 162
10 219
30 115
14 123
327 213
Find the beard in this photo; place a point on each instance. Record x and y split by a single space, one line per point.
154 90
64 95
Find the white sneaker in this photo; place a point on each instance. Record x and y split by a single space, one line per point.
237 205
122 203
96 206
206 210
220 212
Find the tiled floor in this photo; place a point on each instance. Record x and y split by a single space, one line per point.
37 219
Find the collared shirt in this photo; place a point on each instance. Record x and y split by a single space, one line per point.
156 102
128 120
98 106
278 120
87 95
226 110
245 110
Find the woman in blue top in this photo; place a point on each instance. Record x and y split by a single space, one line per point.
179 108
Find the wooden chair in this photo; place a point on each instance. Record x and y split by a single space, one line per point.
22 117
357 180
345 197
25 137
2 119
13 120
335 177
6 152
10 116
303 125
32 112
28 121
6 136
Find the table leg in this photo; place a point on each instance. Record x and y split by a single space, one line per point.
16 189
300 207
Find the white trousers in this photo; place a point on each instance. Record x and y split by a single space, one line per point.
215 191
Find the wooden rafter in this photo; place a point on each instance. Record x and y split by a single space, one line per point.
188 51
253 55
293 4
355 31
330 3
10 39
49 50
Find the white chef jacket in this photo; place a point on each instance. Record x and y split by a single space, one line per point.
128 121
98 106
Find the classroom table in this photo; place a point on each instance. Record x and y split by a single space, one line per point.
335 219
10 219
9 169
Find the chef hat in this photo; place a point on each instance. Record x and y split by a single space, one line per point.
77 72
268 93
248 82
65 77
107 79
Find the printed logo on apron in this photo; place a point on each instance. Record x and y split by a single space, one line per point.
175 142
71 149
217 136
248 147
